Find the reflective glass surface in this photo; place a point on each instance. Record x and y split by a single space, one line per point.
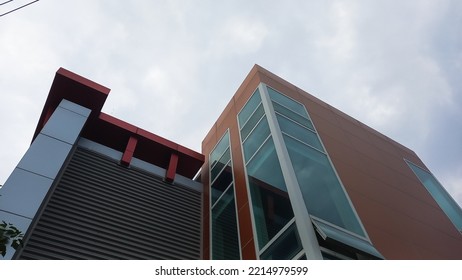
225 241
219 149
255 140
322 192
225 159
287 102
441 196
224 237
285 247
221 183
301 133
250 124
292 115
249 107
271 206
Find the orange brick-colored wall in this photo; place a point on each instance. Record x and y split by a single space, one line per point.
400 216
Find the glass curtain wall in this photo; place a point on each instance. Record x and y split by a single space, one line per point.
225 238
322 192
323 195
441 196
277 237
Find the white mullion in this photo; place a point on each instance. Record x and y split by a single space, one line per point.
302 217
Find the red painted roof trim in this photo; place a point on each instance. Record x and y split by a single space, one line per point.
113 132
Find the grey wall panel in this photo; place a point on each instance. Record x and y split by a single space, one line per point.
101 210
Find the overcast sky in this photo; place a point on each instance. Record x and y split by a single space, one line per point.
394 65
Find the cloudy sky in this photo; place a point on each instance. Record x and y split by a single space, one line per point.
394 65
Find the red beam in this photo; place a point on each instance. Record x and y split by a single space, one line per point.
129 150
171 171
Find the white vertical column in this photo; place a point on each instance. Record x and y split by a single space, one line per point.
302 218
26 188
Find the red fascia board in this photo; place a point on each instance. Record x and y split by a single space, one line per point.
118 123
75 88
155 138
110 131
151 147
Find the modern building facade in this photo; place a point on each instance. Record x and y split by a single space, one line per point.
282 175
94 187
288 176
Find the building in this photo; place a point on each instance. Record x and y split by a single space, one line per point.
282 175
94 187
288 176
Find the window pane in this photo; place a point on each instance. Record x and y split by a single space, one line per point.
444 200
254 141
222 183
225 241
270 201
285 247
249 107
286 101
291 115
322 192
225 159
252 122
299 132
219 149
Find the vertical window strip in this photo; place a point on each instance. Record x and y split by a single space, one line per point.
224 226
439 194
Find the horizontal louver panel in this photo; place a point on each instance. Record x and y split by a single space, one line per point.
100 210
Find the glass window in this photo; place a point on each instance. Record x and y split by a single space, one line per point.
250 124
285 247
220 148
441 196
255 140
224 160
225 240
224 233
324 196
287 102
301 133
249 108
270 200
292 115
221 183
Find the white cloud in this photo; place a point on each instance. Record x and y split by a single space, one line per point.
173 65
238 36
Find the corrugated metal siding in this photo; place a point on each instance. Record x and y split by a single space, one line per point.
100 210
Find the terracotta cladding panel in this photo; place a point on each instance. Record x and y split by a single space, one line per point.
226 118
406 229
364 147
209 142
395 250
206 236
325 127
395 199
243 94
350 175
414 187
245 225
339 150
383 143
315 108
248 251
378 170
280 85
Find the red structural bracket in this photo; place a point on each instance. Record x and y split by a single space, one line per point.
171 171
114 133
129 150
